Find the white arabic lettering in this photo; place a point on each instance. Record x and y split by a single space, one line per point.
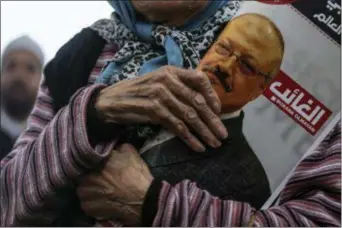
318 117
284 96
329 22
321 17
274 90
302 109
298 108
333 26
331 6
312 115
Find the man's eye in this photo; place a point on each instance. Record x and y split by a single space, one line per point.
246 68
31 68
222 49
11 66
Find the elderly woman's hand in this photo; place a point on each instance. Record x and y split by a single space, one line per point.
118 190
173 97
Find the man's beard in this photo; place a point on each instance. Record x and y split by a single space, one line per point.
17 101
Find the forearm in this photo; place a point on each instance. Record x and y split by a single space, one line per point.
186 205
312 197
49 155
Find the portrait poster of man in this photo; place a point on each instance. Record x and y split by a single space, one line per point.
277 75
312 61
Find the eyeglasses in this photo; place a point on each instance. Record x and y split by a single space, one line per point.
245 67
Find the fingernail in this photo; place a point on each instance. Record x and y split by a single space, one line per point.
217 107
194 143
223 132
200 148
216 144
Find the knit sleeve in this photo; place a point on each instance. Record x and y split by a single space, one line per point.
50 154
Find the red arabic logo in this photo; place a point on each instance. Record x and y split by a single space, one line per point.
297 103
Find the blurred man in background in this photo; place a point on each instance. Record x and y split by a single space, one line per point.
21 69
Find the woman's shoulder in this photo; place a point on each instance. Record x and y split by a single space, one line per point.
73 64
105 56
86 39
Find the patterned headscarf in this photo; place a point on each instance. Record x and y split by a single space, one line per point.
181 47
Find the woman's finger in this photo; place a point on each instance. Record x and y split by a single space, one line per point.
209 117
197 101
153 111
200 82
174 124
184 112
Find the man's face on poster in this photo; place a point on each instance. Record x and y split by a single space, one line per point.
244 60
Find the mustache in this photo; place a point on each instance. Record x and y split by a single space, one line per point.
16 90
221 76
15 86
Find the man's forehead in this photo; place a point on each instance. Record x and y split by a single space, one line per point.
21 55
250 18
253 36
252 27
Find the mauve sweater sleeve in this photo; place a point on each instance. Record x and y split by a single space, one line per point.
50 154
56 148
312 197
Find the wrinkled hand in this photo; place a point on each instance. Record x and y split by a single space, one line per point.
118 190
172 97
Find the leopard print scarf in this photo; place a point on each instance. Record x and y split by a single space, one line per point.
134 52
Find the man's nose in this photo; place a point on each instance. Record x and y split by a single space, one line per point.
18 76
229 65
15 77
